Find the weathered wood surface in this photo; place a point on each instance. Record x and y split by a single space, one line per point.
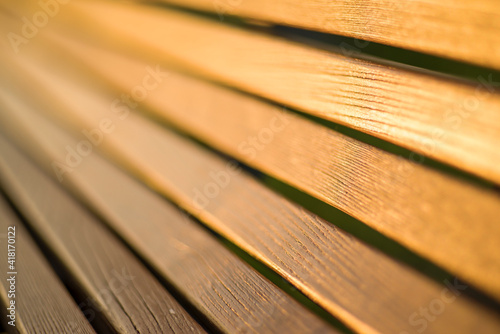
408 202
463 30
451 121
119 294
334 269
42 303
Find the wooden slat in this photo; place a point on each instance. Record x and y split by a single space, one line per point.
454 122
334 269
466 30
408 202
118 292
41 302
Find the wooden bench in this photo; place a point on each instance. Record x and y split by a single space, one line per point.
244 167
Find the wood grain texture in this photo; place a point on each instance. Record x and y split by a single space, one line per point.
454 122
121 294
407 202
231 294
463 30
335 270
42 303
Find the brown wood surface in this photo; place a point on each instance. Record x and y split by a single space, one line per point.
453 122
408 202
232 295
466 30
120 294
338 272
42 303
